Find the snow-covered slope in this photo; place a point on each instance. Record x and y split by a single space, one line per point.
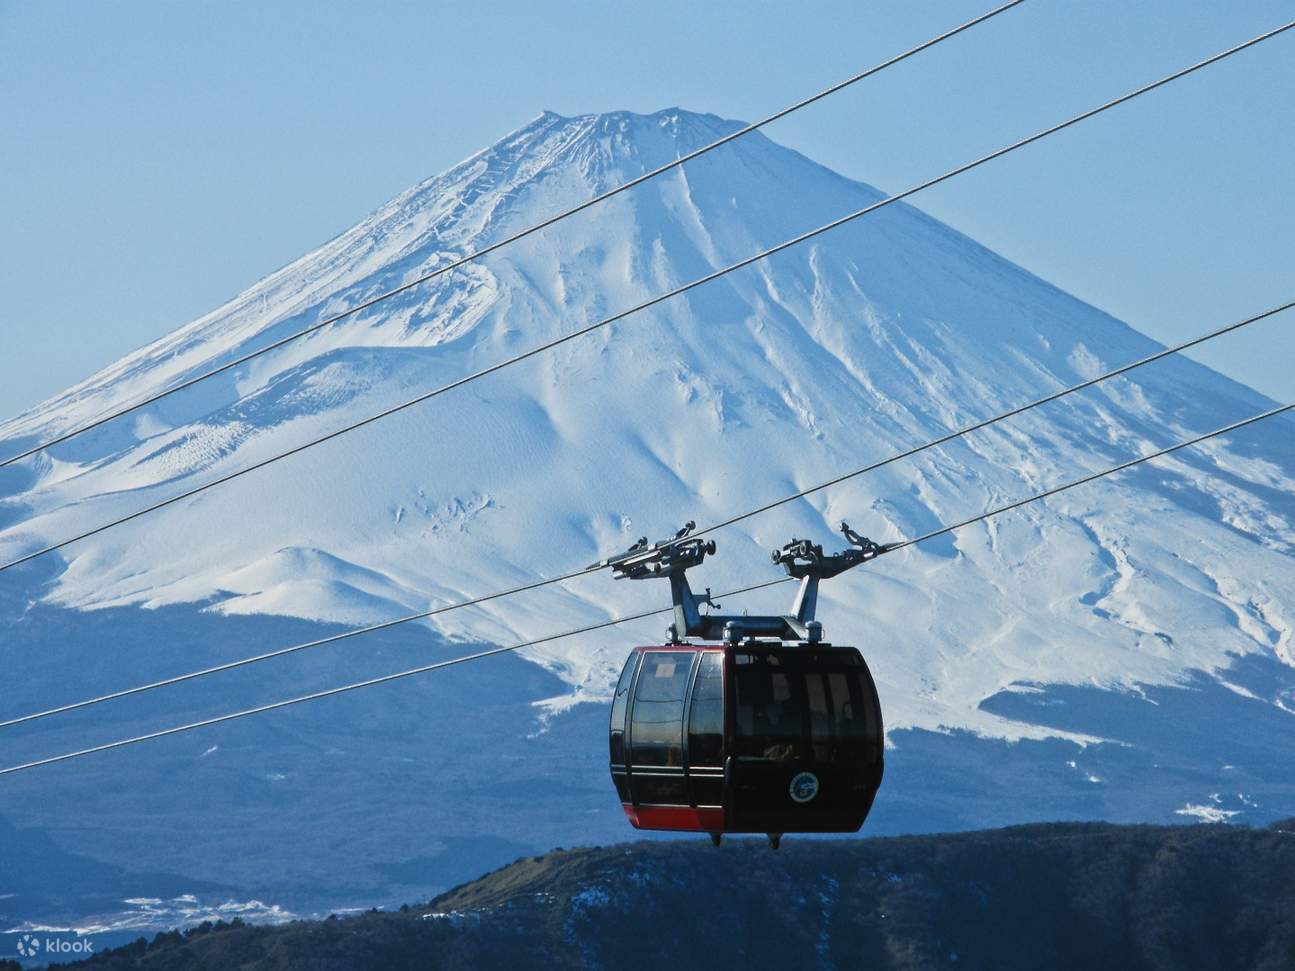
863 342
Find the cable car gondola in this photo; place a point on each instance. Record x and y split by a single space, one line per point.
757 726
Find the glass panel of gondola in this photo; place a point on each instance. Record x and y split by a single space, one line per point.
770 708
855 711
822 729
845 724
706 731
656 728
620 704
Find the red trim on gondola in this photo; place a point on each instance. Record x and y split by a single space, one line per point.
700 819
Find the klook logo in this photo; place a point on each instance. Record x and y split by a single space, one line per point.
49 945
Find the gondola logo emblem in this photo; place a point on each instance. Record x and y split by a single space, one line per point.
804 787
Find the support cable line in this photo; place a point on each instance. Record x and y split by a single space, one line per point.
677 291
534 585
987 422
423 669
355 686
515 237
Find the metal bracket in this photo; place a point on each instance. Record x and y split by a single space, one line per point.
662 559
806 561
801 558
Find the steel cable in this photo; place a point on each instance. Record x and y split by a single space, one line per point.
677 291
493 247
314 696
423 615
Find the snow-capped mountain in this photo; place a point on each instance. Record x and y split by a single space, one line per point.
1152 610
858 344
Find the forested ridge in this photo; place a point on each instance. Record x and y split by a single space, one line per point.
1061 895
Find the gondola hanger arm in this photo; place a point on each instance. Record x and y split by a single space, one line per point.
672 558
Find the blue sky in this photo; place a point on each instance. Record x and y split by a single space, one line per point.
160 157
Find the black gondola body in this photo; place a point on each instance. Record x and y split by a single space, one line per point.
760 727
746 738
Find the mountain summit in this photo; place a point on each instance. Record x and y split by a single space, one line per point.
862 342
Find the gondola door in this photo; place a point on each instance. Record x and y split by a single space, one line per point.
673 774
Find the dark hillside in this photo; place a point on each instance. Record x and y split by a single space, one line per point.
1048 896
